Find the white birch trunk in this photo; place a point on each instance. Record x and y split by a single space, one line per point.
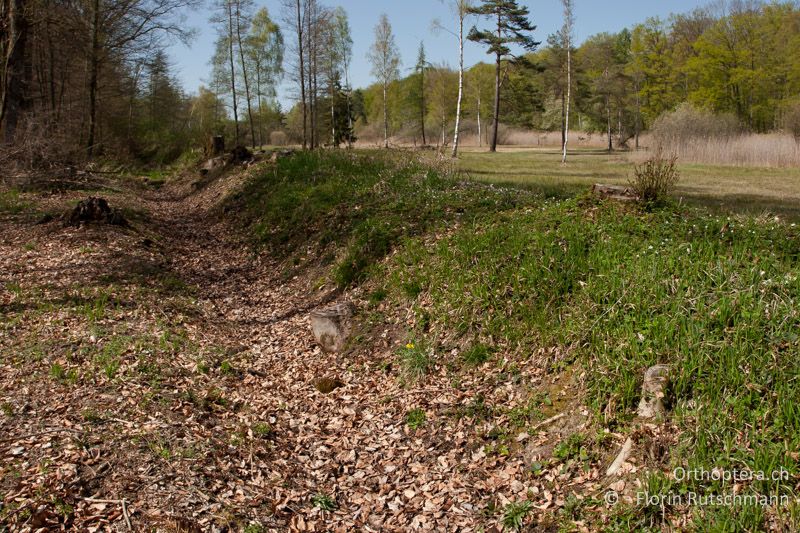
460 79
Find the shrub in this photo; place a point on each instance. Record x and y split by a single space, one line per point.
278 138
689 122
655 178
791 121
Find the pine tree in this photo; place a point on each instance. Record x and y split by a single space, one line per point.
512 27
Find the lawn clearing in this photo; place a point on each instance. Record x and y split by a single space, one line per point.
743 189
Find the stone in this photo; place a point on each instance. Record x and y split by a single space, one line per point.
331 326
654 388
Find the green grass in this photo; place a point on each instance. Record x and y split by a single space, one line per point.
743 189
416 418
360 204
11 203
614 288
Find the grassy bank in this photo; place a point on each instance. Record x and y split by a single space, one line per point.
614 290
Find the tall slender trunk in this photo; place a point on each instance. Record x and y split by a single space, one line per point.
260 102
385 118
333 109
480 139
244 74
569 98
460 81
302 75
496 119
349 110
608 120
638 117
94 67
13 78
233 74
422 104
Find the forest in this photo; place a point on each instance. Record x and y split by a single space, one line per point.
85 80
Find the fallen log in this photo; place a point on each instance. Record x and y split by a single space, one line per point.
620 193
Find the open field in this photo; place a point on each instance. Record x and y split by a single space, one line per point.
745 189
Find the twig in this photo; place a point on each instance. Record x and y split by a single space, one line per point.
121 502
544 423
39 434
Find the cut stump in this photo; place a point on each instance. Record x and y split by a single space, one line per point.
619 193
331 326
654 388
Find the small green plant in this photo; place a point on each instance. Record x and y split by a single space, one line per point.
226 368
514 515
655 179
324 502
58 372
476 355
254 528
573 447
262 430
91 416
416 418
7 409
415 362
10 202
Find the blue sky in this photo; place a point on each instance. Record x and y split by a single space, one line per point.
411 20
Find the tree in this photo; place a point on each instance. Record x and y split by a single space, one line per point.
127 29
566 37
264 48
342 47
12 81
385 59
512 28
418 92
461 9
295 14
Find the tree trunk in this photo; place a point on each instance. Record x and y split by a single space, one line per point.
496 119
480 139
94 67
569 97
244 74
13 79
302 76
349 110
385 119
422 104
460 82
608 120
233 75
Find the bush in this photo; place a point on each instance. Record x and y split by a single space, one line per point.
689 122
655 179
278 138
791 121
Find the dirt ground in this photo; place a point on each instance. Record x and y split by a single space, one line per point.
161 377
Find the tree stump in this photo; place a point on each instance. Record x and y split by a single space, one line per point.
216 146
654 388
619 193
94 209
331 326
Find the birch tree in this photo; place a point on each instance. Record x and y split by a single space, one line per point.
462 10
265 51
566 34
385 60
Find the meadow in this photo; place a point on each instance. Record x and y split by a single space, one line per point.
746 189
